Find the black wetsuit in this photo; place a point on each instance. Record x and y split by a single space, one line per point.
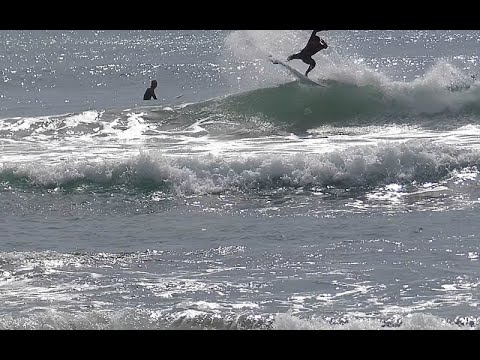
149 94
314 45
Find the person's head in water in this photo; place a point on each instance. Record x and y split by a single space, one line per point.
150 92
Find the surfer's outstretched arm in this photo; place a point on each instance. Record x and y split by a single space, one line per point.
314 32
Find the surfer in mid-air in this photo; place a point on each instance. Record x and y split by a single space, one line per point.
314 45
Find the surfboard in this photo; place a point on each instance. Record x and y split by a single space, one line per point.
302 78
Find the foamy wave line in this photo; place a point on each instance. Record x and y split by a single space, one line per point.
413 162
417 321
86 319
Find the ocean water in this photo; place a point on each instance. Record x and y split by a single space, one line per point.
241 198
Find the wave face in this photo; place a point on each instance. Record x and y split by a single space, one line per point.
291 107
304 107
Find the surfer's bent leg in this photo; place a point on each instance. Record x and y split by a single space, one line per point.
294 56
310 62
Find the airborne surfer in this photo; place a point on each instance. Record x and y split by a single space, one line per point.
314 45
